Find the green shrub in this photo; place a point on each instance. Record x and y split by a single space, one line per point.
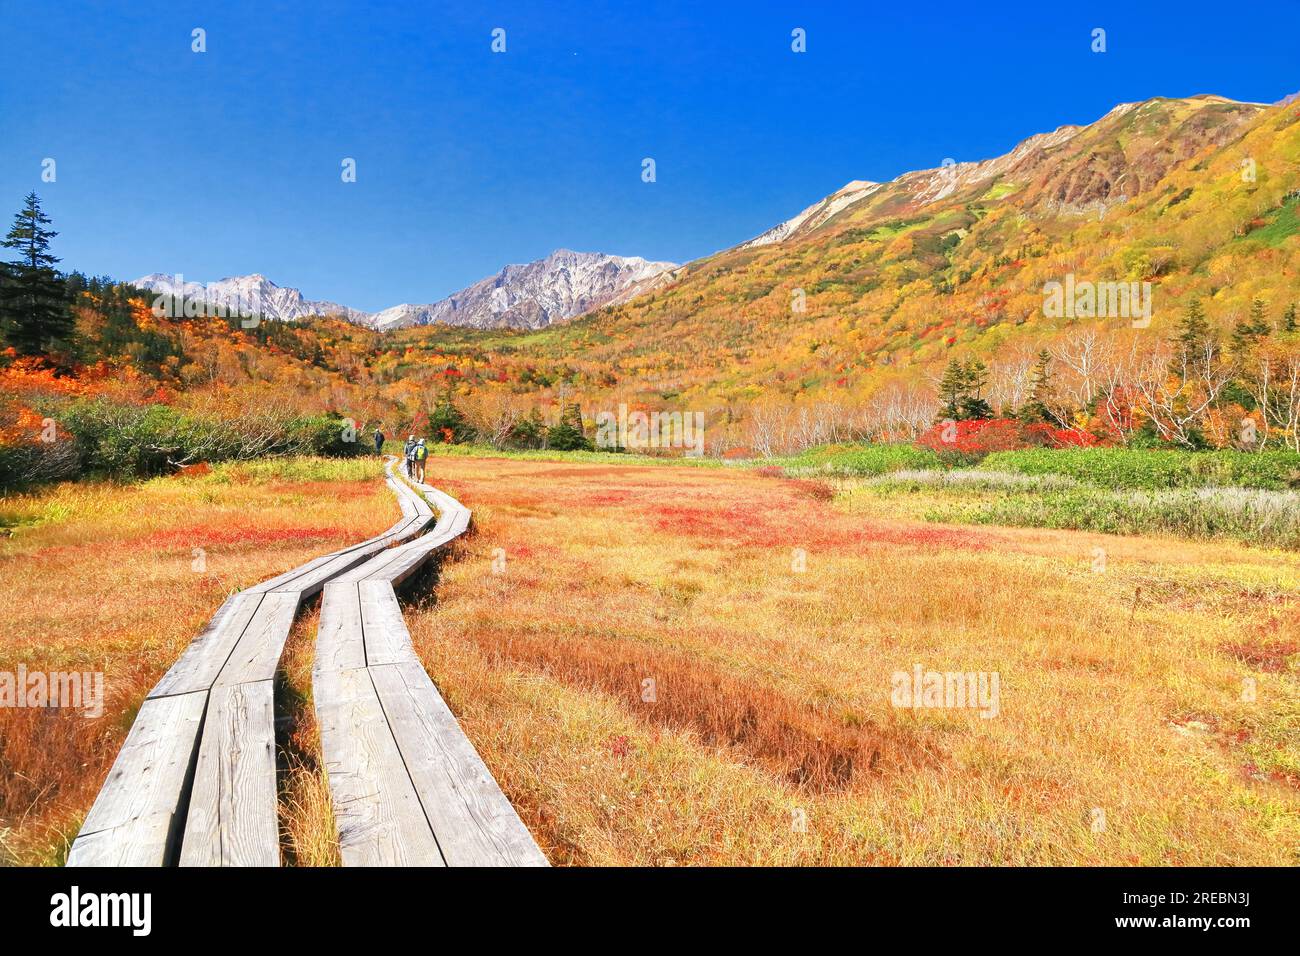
128 441
1156 468
862 459
327 436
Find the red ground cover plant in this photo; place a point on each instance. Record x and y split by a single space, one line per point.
789 521
211 537
972 439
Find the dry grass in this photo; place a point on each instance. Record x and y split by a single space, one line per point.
767 734
1121 691
101 577
308 835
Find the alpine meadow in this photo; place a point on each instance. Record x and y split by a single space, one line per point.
508 473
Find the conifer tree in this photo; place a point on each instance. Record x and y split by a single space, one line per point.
568 434
1040 391
973 404
34 312
952 388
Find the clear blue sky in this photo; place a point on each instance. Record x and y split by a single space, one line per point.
228 162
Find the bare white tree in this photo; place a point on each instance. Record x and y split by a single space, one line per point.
1175 386
494 416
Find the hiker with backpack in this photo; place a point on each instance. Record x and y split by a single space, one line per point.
421 455
379 439
408 456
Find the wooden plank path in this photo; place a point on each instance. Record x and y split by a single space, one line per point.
409 789
195 780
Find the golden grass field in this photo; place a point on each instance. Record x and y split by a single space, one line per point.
102 577
1123 734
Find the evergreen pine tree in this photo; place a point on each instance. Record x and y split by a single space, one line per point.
1040 390
531 432
1193 340
973 404
568 433
1259 318
447 424
1288 319
952 388
33 306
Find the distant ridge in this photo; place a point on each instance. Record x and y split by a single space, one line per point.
533 295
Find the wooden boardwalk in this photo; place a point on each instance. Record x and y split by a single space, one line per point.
409 789
195 781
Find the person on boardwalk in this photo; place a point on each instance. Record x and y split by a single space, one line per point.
408 456
379 439
421 455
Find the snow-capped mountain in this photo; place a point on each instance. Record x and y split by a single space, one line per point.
563 285
814 215
250 294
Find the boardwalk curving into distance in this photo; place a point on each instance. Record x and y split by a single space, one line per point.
195 781
408 786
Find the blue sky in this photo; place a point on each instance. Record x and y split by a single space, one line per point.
228 162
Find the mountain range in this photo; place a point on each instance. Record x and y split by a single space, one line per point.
530 296
883 283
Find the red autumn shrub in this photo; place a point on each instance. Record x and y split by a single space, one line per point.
1050 436
969 441
972 439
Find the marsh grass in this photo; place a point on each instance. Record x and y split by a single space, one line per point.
769 620
103 577
1249 515
309 836
1121 691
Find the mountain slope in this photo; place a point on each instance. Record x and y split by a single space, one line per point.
880 283
534 295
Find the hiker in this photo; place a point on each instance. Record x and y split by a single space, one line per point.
421 454
379 439
408 456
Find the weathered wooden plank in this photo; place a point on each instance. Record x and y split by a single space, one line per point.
387 640
474 823
372 567
233 811
379 816
134 817
409 498
142 842
339 641
404 502
315 579
200 663
288 577
399 726
405 562
257 655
